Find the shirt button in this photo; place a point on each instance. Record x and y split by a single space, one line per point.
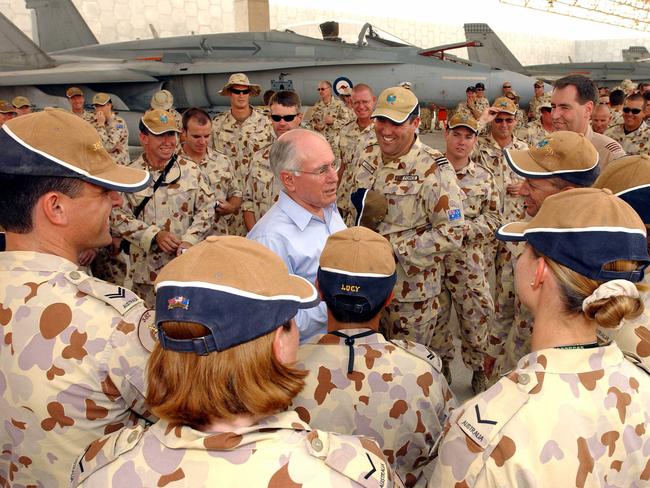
317 445
75 275
133 436
523 379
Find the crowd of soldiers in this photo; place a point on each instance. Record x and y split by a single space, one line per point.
294 274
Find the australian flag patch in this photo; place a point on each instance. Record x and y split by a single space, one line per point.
454 214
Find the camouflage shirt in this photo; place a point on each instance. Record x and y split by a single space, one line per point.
86 115
562 418
425 217
335 109
532 133
115 138
184 207
635 142
616 119
351 138
71 365
262 189
279 451
395 394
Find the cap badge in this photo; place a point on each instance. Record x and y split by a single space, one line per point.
163 119
542 143
391 99
503 104
178 302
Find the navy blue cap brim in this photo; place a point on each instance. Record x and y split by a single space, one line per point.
18 158
233 317
583 178
639 199
596 248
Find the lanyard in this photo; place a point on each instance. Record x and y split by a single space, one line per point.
349 341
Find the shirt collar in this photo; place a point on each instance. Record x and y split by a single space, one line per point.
330 339
300 215
572 361
35 261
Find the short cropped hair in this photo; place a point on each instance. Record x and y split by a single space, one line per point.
586 88
636 97
361 87
286 98
267 96
21 192
195 113
194 390
617 97
326 82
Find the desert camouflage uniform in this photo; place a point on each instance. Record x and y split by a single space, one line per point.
351 143
608 149
239 141
338 111
562 418
520 119
218 168
395 394
86 115
115 138
71 365
424 222
636 142
426 117
479 105
533 108
502 254
262 189
463 109
184 208
633 337
617 118
465 271
279 451
532 133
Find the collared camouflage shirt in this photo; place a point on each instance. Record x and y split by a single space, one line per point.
115 138
634 143
184 206
395 394
72 367
425 216
279 451
335 109
576 417
532 133
262 188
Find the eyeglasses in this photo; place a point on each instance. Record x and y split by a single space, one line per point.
236 91
323 170
286 118
499 120
635 111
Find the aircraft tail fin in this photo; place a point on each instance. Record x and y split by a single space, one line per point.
635 53
17 51
493 51
60 26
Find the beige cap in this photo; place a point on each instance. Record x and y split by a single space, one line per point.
162 100
504 104
101 98
562 154
73 91
629 179
57 143
396 104
358 250
240 79
6 107
463 120
159 121
545 102
21 102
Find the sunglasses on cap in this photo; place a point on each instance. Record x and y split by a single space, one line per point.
635 111
286 118
236 91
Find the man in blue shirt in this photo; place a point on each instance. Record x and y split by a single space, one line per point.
305 215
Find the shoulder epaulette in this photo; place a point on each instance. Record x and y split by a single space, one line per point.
419 351
121 299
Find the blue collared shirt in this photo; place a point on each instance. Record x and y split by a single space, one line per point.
298 237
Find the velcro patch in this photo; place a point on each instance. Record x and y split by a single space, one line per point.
399 178
368 167
454 214
118 297
147 332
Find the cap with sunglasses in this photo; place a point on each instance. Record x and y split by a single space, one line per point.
235 287
635 111
506 84
240 79
57 143
584 229
286 118
396 104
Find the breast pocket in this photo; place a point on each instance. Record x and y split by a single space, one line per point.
402 193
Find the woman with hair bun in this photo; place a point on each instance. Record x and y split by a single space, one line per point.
574 412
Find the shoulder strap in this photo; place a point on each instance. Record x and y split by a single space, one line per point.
138 210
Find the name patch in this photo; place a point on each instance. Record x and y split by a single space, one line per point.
368 167
454 214
407 178
350 288
470 429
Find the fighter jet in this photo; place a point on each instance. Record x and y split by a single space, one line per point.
195 67
492 50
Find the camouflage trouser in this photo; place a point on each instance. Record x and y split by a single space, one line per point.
413 321
517 343
112 269
146 292
232 225
425 119
466 285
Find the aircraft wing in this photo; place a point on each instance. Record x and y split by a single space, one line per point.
17 51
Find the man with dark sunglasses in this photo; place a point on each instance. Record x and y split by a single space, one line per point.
240 132
329 113
261 190
633 134
179 207
480 102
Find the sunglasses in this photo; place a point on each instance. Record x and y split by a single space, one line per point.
507 86
322 89
240 92
480 89
635 111
499 120
286 118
